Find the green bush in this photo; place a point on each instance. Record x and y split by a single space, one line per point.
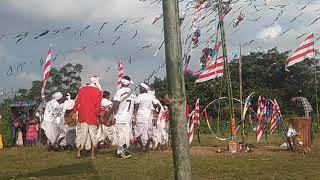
5 112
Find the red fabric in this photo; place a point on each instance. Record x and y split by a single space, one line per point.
32 132
88 104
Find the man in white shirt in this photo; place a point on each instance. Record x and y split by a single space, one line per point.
143 113
53 115
122 107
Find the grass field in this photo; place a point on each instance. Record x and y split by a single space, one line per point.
264 163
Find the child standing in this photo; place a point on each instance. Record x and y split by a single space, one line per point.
32 132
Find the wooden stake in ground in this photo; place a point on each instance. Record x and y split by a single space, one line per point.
176 90
240 88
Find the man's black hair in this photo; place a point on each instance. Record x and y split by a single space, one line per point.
127 78
105 94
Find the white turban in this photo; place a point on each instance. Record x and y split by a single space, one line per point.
105 102
57 96
126 82
144 85
95 82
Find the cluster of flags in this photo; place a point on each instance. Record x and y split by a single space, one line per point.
215 69
267 108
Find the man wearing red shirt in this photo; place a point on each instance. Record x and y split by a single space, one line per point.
88 108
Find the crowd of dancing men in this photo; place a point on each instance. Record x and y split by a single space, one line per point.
140 119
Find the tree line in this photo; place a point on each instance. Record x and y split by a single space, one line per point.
262 72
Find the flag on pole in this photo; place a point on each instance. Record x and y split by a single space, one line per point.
261 114
304 51
214 70
276 114
186 64
194 120
46 73
120 74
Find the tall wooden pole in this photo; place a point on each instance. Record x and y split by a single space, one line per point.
226 65
176 90
316 87
240 88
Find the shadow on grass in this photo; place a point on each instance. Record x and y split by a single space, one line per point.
82 168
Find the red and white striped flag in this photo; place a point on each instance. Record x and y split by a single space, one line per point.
46 73
195 119
276 114
214 70
261 114
120 74
304 51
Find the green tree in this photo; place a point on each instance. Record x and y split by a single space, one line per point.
66 79
263 73
5 112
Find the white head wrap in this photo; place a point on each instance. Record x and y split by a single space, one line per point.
144 85
126 82
105 102
57 96
95 82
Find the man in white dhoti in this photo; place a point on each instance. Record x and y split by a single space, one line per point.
143 113
88 108
53 115
158 127
122 107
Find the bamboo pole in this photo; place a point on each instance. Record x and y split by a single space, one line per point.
226 65
176 90
240 88
316 89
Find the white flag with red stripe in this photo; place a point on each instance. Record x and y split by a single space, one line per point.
276 114
304 51
261 114
46 73
120 74
194 120
214 70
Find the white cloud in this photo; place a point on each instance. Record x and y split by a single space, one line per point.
94 66
83 10
27 78
270 32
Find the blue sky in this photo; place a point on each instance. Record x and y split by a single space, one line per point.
36 16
